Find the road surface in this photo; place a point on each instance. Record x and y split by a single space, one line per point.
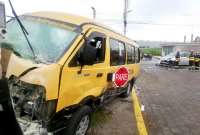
171 98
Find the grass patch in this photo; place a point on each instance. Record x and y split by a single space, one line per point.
152 51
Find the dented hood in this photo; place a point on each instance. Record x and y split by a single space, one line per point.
19 67
37 74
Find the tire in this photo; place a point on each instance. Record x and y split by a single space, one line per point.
127 91
76 124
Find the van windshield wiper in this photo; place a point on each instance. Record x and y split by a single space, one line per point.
25 32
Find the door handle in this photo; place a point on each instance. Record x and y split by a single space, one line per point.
99 74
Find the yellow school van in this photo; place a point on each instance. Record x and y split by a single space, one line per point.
65 67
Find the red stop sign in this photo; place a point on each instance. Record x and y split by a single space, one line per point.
120 77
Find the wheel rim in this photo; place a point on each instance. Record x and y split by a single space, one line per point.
83 126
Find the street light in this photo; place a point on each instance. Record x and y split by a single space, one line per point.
94 12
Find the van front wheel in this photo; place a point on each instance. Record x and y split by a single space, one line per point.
80 121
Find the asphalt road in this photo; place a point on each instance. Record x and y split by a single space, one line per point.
171 98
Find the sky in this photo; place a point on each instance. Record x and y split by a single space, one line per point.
157 20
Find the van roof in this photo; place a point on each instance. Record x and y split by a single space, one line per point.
64 17
70 18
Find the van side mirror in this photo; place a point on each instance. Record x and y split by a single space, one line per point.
88 55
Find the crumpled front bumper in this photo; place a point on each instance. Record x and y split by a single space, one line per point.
32 127
31 109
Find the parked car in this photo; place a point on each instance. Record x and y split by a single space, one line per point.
179 58
147 57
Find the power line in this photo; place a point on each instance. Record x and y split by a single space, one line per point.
165 24
147 23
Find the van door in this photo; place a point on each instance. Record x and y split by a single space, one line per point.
79 83
117 57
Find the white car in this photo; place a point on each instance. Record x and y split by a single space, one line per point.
179 58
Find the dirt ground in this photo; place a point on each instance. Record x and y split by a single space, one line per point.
115 118
171 98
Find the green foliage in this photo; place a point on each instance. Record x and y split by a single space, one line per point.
152 51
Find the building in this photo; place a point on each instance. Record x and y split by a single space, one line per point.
168 48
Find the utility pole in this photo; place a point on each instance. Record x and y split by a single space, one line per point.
94 12
125 15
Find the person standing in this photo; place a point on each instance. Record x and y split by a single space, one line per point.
8 121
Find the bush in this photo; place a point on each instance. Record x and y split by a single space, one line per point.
152 51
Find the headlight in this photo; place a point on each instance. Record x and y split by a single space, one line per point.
27 98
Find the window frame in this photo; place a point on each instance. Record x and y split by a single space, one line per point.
132 47
125 53
102 35
138 52
136 55
93 34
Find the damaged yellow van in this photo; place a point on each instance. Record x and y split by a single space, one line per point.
64 67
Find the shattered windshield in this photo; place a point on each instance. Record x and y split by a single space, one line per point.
49 39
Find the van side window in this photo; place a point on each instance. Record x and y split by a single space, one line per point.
130 54
133 54
117 53
137 55
99 44
96 40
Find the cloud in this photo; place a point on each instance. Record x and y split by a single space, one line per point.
178 13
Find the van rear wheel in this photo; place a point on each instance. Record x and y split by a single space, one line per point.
127 91
80 121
